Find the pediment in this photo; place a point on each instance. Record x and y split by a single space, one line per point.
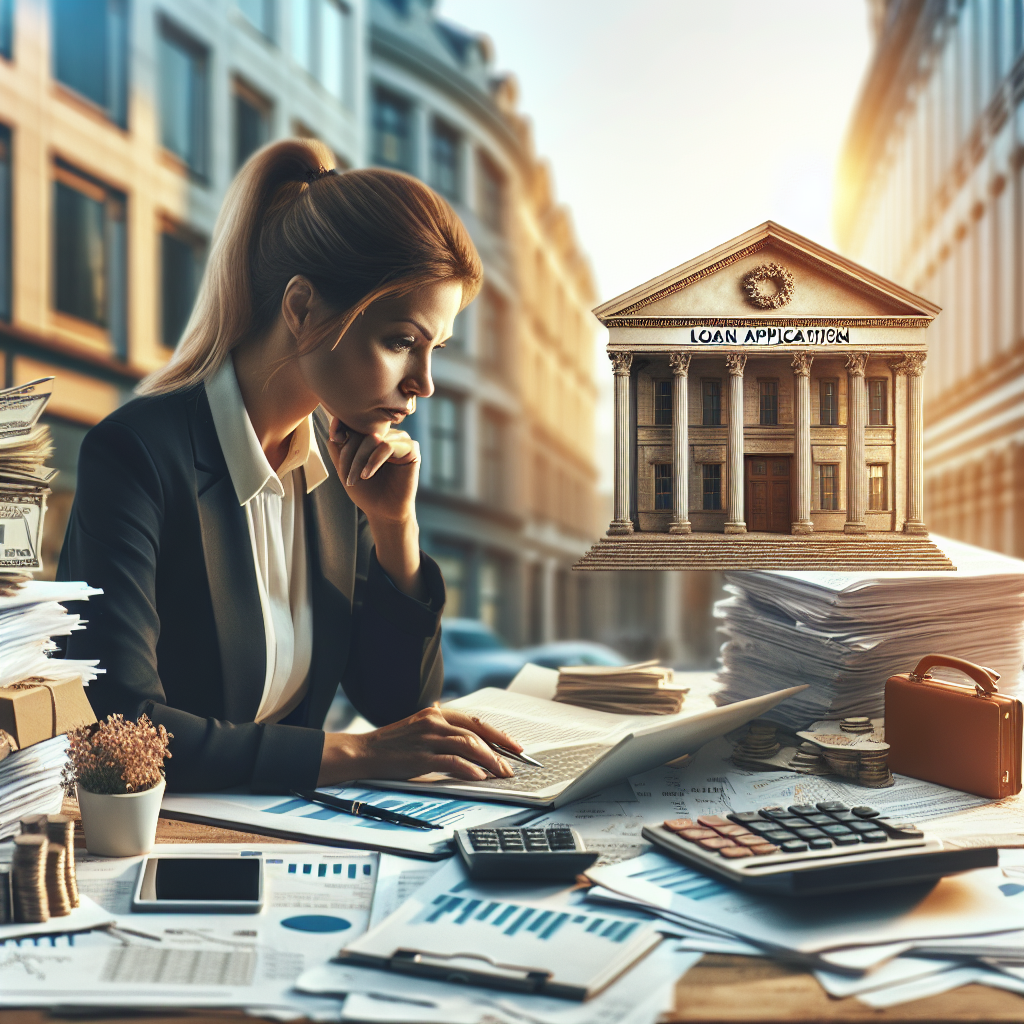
825 286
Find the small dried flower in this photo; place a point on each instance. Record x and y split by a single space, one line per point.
116 756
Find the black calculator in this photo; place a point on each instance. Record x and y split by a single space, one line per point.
813 849
551 852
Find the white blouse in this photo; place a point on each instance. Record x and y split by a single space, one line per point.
274 511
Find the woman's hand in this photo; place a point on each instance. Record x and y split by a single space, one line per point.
433 740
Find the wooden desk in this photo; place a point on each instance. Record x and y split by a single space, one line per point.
719 990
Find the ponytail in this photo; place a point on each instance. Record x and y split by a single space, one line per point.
357 237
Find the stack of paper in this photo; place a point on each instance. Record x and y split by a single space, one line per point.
30 783
846 633
642 689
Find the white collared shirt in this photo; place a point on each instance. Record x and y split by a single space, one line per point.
274 510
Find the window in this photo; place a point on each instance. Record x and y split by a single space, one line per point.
768 391
90 52
452 564
445 153
491 197
5 223
7 28
492 458
445 443
259 14
712 477
489 592
320 32
392 130
878 403
183 98
712 394
829 487
182 256
878 498
663 485
252 122
491 329
829 402
663 403
89 253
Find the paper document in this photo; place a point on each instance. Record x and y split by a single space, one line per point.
293 818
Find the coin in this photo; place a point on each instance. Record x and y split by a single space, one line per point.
28 867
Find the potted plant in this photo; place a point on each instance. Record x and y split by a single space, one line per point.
116 768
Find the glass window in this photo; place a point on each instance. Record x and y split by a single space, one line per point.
392 130
490 591
491 194
252 122
332 31
712 394
183 98
90 51
452 564
712 478
878 498
491 323
878 403
492 458
89 253
769 393
181 267
829 487
7 28
302 33
663 485
5 223
445 442
445 153
663 403
829 402
259 14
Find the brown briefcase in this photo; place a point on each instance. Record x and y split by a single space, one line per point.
958 736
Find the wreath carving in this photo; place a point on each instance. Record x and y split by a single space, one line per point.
776 273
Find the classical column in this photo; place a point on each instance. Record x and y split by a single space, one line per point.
802 441
856 421
734 522
680 364
621 363
913 367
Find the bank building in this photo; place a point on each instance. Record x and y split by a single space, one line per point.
768 414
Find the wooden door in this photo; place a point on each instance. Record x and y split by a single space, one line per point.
767 494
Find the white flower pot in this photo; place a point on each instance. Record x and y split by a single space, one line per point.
120 824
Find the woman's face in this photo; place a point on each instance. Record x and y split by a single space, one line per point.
372 377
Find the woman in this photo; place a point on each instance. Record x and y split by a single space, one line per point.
251 517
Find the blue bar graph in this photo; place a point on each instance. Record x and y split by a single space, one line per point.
439 811
678 879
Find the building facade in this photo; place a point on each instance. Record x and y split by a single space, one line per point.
932 195
121 125
768 386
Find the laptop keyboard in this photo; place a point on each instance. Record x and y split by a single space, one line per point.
561 765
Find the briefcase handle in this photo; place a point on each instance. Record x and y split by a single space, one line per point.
984 678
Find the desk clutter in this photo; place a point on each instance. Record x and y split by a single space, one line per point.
645 688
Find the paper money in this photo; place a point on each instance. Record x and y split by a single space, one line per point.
21 406
21 527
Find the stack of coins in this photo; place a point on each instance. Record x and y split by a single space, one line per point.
858 724
56 888
757 744
842 762
873 769
61 831
808 760
6 910
33 824
28 878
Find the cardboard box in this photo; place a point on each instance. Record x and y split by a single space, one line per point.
36 709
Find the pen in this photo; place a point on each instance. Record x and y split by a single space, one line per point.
362 810
523 758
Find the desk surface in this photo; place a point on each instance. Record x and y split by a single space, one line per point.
718 990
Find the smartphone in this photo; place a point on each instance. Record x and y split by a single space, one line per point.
200 885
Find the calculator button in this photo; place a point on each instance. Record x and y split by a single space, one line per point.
744 817
820 844
803 809
748 840
735 852
878 836
732 831
696 834
777 836
794 846
677 824
831 805
718 843
843 816
791 822
818 819
862 826
904 830
809 833
761 828
850 839
866 812
711 821
764 849
774 813
835 830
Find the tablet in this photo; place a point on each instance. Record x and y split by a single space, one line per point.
199 885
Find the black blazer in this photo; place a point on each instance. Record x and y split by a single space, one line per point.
179 631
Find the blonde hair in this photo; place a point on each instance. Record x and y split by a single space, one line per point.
357 236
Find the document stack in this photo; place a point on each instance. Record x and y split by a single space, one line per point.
642 689
846 633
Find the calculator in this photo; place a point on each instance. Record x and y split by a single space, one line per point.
813 849
552 852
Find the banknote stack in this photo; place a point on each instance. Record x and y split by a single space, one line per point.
845 633
24 447
642 689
